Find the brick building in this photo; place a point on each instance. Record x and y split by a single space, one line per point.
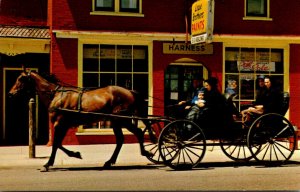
143 45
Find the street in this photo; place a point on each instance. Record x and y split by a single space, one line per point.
135 173
216 176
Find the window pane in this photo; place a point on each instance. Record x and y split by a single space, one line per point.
90 58
277 58
91 80
246 64
124 58
257 8
247 86
124 80
231 60
104 5
107 79
140 84
140 62
232 84
107 58
129 5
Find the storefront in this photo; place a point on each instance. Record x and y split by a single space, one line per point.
163 70
28 47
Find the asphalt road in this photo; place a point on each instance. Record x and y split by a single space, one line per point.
123 177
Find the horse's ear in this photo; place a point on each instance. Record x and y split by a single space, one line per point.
23 68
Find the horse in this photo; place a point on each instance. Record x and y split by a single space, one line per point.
113 100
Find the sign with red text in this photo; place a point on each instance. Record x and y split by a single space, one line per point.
202 21
256 66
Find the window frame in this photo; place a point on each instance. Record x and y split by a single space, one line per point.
98 127
117 10
238 74
264 17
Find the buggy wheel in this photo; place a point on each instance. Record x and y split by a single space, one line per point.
182 145
271 139
151 134
236 148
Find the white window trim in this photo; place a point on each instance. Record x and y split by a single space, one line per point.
116 11
267 18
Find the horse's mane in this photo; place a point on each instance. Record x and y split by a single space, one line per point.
50 77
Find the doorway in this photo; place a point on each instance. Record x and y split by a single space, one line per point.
15 111
178 82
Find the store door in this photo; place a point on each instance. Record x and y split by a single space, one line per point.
178 83
15 115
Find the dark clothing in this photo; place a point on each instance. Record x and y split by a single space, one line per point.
213 114
272 100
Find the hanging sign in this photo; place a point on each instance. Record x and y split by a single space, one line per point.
202 21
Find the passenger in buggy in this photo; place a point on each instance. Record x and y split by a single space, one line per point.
269 101
198 108
210 114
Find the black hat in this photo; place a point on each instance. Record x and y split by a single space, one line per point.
212 81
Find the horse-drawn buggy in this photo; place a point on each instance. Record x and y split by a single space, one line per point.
178 143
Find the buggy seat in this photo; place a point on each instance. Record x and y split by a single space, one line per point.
285 103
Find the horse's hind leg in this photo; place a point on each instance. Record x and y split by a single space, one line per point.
59 134
119 142
71 153
140 136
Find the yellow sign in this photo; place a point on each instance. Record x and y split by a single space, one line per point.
202 21
199 17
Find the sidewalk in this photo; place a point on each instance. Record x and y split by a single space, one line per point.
95 155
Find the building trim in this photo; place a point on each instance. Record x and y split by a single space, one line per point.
172 36
15 46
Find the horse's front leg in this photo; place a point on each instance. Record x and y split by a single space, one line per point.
119 142
59 134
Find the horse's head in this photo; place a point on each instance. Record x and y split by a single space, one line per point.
23 84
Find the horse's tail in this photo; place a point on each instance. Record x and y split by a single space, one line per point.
140 104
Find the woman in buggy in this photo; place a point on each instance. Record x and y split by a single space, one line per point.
210 112
269 101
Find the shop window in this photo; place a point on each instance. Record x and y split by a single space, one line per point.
122 65
243 66
117 7
257 9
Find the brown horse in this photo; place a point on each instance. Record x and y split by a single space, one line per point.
109 100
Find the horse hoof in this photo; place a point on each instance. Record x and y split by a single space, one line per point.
147 154
77 155
107 165
45 169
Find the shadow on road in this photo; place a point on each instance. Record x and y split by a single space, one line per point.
247 164
201 166
99 168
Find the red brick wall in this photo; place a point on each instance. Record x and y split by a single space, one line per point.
169 17
64 60
23 13
161 17
294 84
229 19
161 61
